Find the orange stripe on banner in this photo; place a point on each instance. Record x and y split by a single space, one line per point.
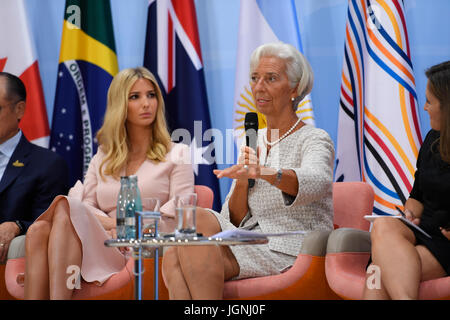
361 105
391 16
406 122
384 202
401 89
34 123
389 56
391 139
385 51
346 82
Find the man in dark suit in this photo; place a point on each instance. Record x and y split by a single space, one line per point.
30 176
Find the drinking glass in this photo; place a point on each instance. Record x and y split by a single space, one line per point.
148 218
185 224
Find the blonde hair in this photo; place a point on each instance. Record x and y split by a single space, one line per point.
112 136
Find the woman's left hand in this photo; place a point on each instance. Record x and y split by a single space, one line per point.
247 167
446 233
107 222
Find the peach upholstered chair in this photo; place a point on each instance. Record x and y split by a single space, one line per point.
306 278
348 253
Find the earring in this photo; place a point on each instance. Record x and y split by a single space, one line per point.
292 99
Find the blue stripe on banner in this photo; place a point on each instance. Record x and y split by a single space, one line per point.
288 31
362 68
380 212
388 38
358 41
377 183
355 106
380 62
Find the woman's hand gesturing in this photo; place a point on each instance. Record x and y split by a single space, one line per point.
247 167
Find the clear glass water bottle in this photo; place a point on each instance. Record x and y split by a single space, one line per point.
122 203
134 204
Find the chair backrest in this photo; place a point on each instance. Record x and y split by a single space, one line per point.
352 201
205 196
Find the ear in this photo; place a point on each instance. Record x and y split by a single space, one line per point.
294 93
19 110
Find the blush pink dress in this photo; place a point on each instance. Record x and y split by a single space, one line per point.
99 197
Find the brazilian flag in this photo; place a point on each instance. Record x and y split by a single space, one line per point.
87 64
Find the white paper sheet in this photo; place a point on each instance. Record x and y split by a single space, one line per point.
241 233
371 218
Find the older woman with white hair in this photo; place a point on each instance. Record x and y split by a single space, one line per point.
293 170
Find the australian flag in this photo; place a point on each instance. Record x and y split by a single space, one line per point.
173 55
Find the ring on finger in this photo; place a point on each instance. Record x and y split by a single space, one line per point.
246 167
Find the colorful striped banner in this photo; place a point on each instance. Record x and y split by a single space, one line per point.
379 133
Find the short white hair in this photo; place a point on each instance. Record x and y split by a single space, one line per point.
298 69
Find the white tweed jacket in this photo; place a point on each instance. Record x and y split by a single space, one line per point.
309 152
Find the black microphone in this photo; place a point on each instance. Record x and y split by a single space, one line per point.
251 135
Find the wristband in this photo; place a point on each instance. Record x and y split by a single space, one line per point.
278 177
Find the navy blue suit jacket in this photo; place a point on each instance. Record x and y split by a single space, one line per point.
33 177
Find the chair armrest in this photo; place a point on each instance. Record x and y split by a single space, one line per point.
17 248
315 243
348 240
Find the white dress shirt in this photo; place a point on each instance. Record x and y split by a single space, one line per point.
6 150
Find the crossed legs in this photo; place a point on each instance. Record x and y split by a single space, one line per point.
51 246
402 263
199 272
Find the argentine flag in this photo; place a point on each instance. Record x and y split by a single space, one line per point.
260 22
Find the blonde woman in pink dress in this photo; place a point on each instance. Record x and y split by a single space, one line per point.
133 140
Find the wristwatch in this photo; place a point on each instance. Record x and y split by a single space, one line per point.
278 177
19 224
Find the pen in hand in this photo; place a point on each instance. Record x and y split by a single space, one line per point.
401 212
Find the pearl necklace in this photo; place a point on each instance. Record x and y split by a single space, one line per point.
282 137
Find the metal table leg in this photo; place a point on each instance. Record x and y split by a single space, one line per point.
138 273
156 274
